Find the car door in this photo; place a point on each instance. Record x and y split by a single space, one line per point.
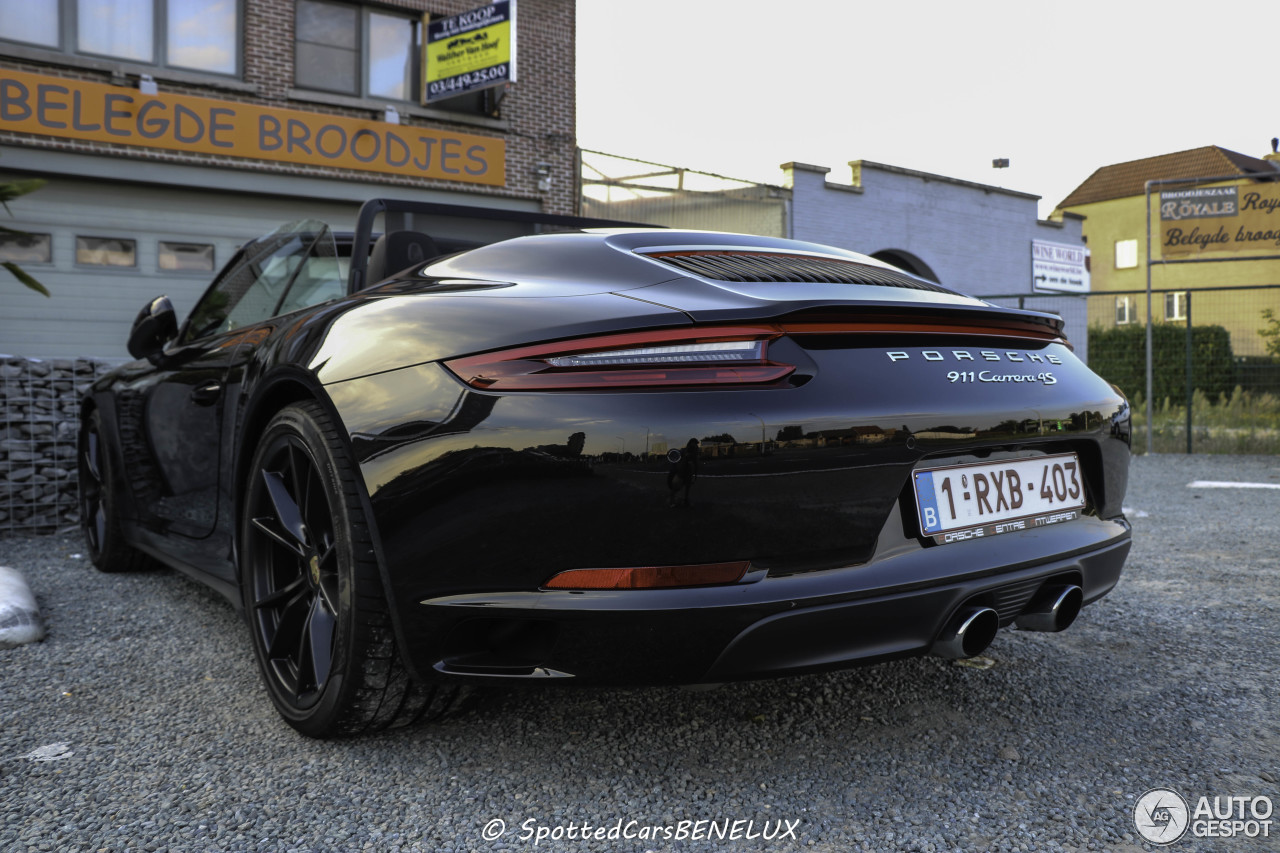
180 412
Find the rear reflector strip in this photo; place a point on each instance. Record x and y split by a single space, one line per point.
650 577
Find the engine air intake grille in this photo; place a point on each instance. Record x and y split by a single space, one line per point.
778 267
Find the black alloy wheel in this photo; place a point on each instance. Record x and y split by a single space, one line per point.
296 590
108 550
313 596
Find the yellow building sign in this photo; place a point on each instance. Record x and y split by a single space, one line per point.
1240 218
474 50
75 109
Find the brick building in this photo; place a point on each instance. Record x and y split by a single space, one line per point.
170 131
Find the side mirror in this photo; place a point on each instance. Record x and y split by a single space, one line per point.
155 325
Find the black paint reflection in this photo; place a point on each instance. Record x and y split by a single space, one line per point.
681 472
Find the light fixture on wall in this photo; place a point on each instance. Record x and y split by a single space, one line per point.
1000 163
147 85
543 173
392 115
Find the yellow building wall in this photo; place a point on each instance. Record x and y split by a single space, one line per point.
1240 312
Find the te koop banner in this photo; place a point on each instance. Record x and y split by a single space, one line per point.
1238 219
75 109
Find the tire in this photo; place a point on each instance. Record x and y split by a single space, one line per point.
313 595
99 520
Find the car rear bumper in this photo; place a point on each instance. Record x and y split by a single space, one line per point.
894 606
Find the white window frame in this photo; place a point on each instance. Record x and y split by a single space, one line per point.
1126 254
1124 310
363 11
16 257
132 242
68 42
1178 299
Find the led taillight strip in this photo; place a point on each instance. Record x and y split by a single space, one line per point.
529 368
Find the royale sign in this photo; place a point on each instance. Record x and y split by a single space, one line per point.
1241 218
75 109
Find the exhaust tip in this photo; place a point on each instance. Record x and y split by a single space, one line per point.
968 633
1052 610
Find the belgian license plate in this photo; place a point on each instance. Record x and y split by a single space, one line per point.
961 502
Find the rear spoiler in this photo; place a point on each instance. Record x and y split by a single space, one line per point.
400 214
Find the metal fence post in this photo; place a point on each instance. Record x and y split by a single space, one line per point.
1151 413
1190 384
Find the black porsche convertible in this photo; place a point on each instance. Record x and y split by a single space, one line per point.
492 445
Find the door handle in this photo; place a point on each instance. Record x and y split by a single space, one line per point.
207 393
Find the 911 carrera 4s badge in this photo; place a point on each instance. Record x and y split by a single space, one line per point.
961 502
1044 377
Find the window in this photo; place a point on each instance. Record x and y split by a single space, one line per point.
200 35
106 252
185 257
26 248
294 267
33 23
352 50
1126 254
1124 310
1175 306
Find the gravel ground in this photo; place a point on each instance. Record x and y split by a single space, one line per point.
140 724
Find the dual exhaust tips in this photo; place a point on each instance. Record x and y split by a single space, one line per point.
972 629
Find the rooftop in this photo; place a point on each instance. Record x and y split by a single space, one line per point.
1122 180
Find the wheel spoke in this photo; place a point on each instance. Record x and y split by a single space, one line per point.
99 524
286 642
299 468
329 593
91 458
285 506
266 526
315 511
320 641
281 595
303 474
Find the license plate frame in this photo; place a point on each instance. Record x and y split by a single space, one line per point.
952 510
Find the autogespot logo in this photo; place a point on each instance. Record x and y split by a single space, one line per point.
1161 816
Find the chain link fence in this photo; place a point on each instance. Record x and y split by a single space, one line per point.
1215 362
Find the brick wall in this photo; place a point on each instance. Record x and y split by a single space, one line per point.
537 114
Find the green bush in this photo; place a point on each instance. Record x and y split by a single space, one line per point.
1258 373
1118 355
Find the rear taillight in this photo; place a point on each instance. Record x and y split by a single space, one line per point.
735 355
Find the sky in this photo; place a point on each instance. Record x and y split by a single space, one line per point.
1061 89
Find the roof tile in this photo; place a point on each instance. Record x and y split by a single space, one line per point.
1122 180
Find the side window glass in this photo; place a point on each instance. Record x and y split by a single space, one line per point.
322 277
293 267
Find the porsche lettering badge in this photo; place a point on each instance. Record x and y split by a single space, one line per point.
982 355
